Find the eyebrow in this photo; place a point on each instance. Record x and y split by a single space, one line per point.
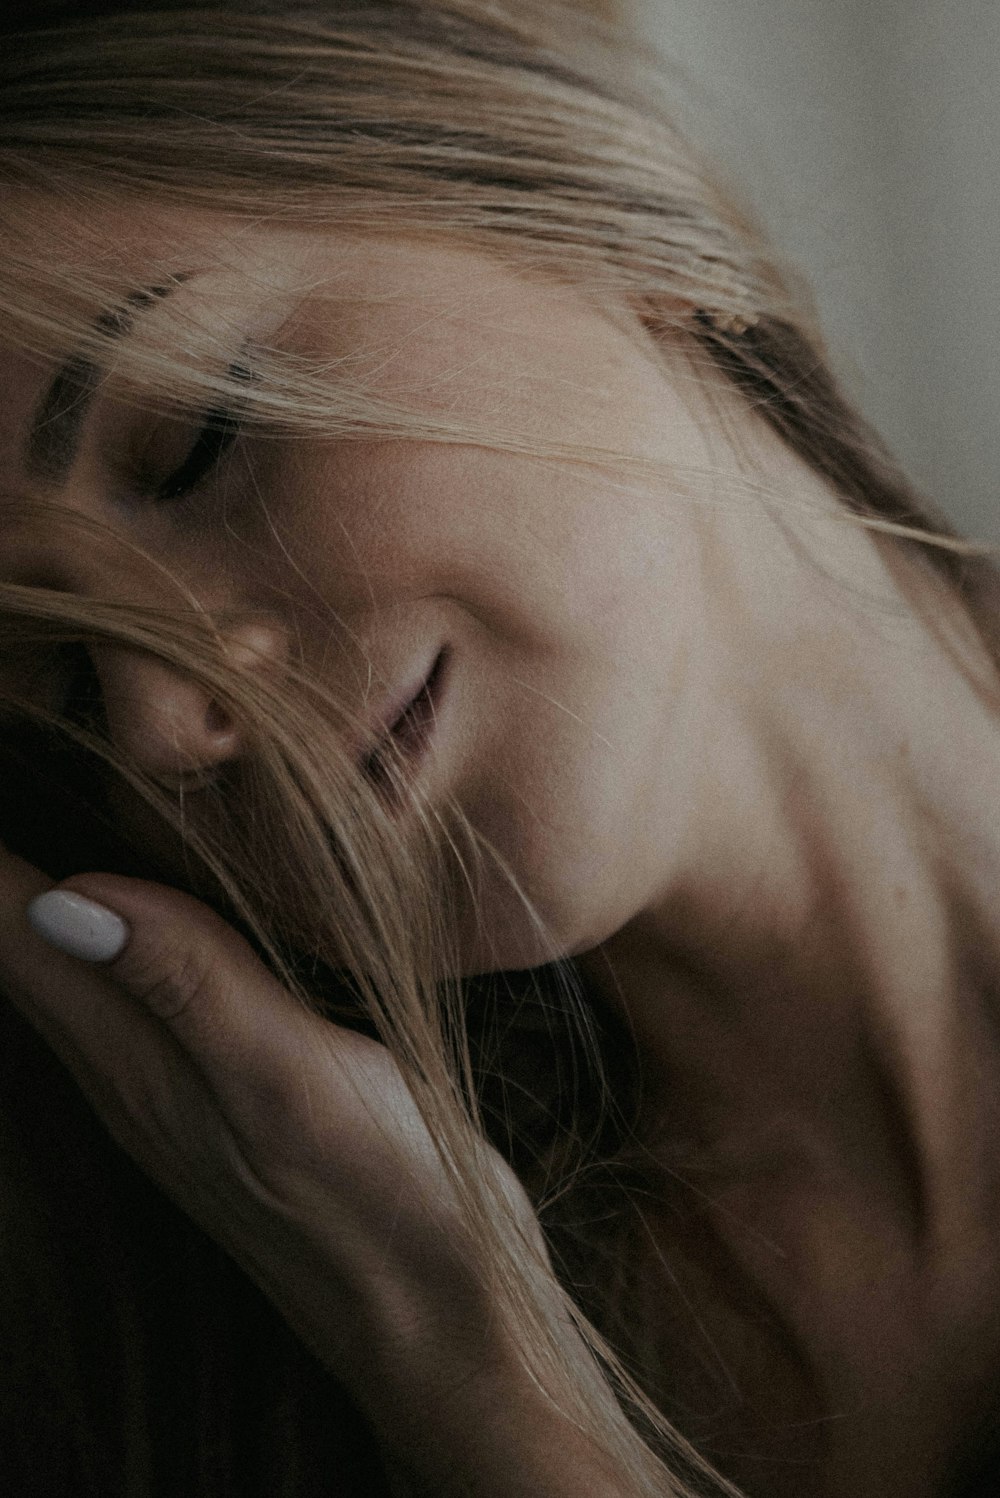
57 427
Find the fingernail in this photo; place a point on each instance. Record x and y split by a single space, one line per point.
78 926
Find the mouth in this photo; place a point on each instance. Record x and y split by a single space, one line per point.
394 757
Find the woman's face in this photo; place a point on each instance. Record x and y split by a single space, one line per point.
554 614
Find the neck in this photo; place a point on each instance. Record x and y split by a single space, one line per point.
836 869
813 988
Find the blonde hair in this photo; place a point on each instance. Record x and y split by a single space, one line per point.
526 132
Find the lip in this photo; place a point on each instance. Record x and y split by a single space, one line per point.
405 723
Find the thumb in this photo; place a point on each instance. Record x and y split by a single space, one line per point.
179 960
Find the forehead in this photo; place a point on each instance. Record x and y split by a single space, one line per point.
442 325
234 265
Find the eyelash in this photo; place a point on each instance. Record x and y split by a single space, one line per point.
218 433
219 429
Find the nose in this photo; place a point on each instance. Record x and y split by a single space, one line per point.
166 723
160 719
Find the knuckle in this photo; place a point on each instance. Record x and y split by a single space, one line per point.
170 982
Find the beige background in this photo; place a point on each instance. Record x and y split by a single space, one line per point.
868 132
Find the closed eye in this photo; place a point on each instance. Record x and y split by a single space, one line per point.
219 430
217 435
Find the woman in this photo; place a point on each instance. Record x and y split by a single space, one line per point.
539 756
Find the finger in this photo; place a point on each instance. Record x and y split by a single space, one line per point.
44 932
58 995
288 1083
123 1060
176 1034
185 967
19 881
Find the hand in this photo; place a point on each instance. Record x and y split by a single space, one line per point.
293 1142
298 1147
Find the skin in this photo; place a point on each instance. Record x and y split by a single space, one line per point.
727 758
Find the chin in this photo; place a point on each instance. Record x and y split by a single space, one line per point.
499 930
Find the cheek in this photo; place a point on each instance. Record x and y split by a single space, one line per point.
376 522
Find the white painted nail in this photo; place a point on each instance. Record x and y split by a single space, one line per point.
78 926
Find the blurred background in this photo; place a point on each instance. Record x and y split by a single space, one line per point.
867 133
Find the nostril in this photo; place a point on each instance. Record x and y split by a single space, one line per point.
68 686
84 698
217 720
